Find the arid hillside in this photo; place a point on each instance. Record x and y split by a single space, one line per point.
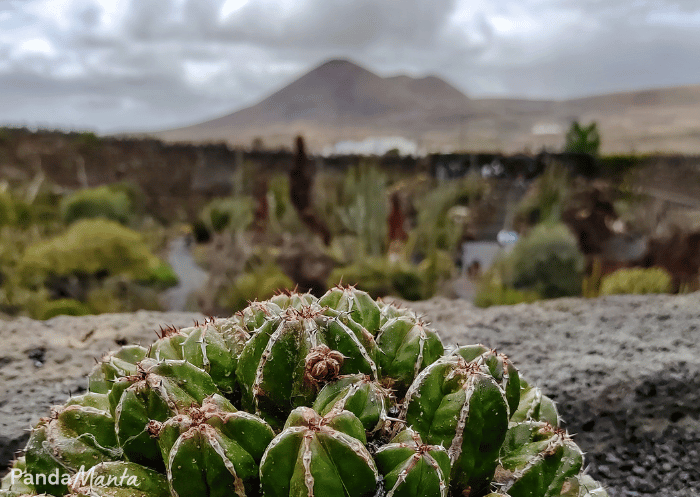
340 100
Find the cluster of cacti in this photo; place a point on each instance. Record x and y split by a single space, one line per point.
300 396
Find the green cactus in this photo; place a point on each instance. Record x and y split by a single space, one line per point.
537 459
78 434
319 456
212 450
360 395
411 468
362 308
118 479
15 483
498 366
287 358
223 408
535 406
115 365
455 404
158 391
406 347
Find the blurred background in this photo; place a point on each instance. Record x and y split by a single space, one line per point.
195 155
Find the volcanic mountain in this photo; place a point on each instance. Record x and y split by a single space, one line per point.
339 100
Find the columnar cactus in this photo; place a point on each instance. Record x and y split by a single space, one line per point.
299 396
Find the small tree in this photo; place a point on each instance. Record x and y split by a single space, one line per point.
583 139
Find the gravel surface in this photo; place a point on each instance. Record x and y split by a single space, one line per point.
625 372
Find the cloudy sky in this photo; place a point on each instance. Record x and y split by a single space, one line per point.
117 65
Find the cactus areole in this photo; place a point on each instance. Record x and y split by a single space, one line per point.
302 396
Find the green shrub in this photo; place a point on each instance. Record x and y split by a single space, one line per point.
235 213
547 260
7 209
546 197
615 166
161 276
260 283
636 281
62 307
583 139
91 246
437 228
495 294
102 201
380 277
116 294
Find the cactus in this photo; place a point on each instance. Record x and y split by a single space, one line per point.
78 434
535 406
455 404
292 354
537 459
212 450
498 366
303 396
118 479
360 395
319 456
407 346
412 468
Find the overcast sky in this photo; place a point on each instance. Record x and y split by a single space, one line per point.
117 65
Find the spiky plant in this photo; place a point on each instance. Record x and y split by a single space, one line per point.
299 396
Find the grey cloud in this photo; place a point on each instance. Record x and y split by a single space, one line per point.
135 72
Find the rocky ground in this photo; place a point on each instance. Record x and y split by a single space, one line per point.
625 372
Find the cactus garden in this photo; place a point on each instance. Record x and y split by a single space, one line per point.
303 396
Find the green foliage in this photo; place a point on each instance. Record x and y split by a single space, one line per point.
547 261
87 140
545 199
636 281
160 275
7 209
119 294
14 211
235 213
583 139
66 307
615 166
103 201
591 282
435 228
363 210
380 276
495 294
91 246
260 283
282 216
